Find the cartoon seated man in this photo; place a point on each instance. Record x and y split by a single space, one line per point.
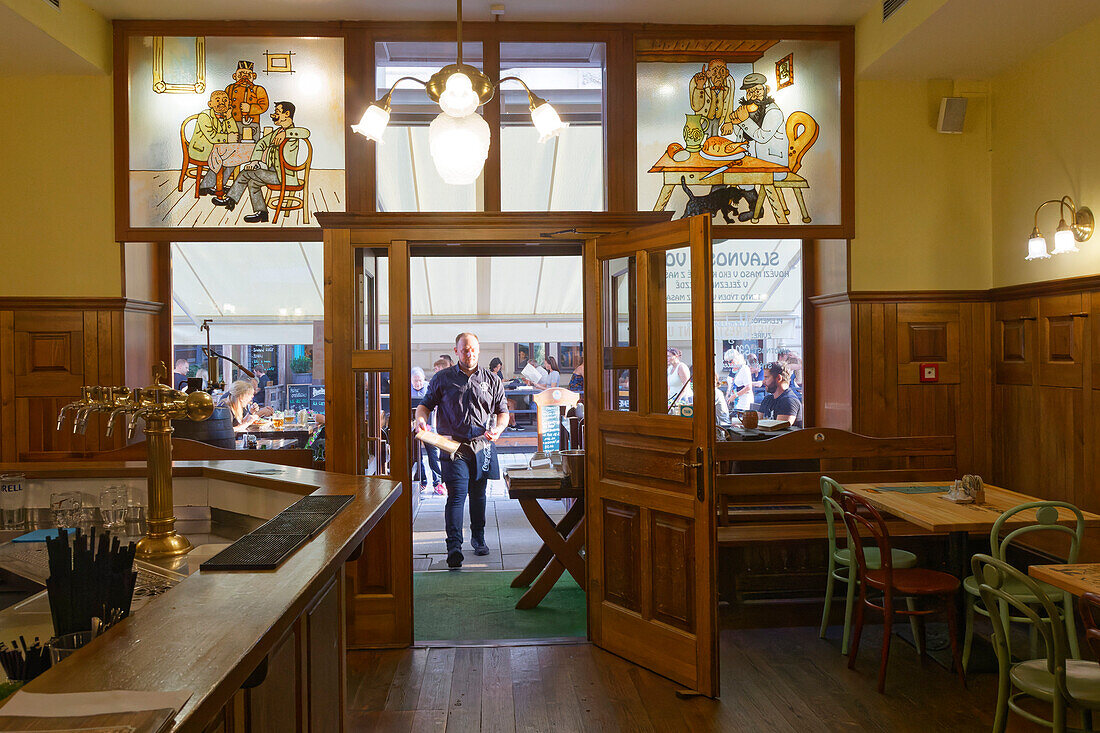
263 168
213 126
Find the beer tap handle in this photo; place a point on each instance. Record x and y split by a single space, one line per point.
141 413
64 410
113 417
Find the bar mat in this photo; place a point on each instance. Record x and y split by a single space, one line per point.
321 504
914 489
256 552
307 523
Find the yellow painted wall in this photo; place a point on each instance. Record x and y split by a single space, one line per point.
1046 117
56 190
922 197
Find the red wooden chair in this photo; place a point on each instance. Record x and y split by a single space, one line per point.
191 167
292 196
861 517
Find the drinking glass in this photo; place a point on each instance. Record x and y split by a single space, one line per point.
113 502
13 501
67 508
277 420
62 647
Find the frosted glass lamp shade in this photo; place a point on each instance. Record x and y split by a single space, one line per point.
1037 249
458 98
547 121
373 123
1064 242
459 146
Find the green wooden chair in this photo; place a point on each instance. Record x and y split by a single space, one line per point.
1062 682
843 569
1046 518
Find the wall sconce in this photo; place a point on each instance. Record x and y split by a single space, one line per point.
1066 236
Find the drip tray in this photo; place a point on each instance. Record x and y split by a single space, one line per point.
267 546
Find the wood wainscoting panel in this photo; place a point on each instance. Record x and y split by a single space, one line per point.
1061 448
1062 328
928 333
1015 341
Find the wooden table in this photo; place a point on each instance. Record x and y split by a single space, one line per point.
562 542
957 520
1078 578
744 172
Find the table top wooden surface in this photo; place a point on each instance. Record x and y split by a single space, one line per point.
936 514
209 632
698 164
1077 578
539 483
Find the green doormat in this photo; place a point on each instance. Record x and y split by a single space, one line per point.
481 606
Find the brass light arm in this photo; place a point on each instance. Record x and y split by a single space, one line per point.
533 100
384 102
1080 219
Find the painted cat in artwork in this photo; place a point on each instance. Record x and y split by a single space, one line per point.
722 200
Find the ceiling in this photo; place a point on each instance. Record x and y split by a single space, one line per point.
711 12
977 39
25 49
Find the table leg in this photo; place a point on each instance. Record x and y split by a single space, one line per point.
758 210
219 187
665 195
545 554
777 207
570 554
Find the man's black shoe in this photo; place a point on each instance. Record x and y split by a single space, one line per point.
223 201
480 548
454 560
204 191
257 217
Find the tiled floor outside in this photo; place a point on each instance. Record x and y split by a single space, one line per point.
512 542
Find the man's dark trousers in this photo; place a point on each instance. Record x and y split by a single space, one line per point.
463 478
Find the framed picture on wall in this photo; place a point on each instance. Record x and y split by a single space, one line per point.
570 355
532 351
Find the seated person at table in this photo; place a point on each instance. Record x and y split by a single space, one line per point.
780 403
721 409
238 398
213 126
576 382
263 169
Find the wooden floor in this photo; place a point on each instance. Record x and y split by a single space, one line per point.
772 680
156 202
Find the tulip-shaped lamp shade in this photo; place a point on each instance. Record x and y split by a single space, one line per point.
459 146
373 123
1037 246
546 119
1064 241
458 98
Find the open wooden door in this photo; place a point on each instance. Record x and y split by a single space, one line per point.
652 595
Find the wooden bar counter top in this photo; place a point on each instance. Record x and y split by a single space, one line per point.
209 633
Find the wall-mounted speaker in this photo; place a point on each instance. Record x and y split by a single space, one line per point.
952 115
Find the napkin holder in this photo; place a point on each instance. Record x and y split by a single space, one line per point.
967 490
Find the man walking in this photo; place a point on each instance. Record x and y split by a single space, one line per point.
471 409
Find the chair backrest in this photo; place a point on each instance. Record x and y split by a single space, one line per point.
1046 520
799 140
286 165
860 518
1089 606
830 491
993 578
550 402
183 131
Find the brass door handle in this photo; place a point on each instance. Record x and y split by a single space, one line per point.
691 465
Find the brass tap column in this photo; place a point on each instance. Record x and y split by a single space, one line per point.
158 405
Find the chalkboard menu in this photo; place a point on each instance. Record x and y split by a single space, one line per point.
316 397
298 396
550 427
264 356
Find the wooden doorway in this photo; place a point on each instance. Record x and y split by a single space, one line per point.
380 608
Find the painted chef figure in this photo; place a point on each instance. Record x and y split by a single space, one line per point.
247 100
760 122
712 97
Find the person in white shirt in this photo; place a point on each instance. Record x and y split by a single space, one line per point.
739 383
679 378
553 374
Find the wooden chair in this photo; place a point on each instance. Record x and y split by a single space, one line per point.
1046 516
1056 679
892 582
548 421
802 131
292 196
843 569
192 167
1089 606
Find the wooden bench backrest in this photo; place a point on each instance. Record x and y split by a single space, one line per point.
847 457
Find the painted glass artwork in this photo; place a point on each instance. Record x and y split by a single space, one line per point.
234 131
718 133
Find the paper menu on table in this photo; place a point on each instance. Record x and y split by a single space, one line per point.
533 373
74 704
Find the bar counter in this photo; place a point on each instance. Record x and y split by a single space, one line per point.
213 630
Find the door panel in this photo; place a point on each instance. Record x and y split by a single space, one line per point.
650 497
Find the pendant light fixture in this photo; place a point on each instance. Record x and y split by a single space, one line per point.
458 137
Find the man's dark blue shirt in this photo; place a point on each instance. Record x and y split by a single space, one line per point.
465 405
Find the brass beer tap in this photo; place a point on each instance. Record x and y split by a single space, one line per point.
157 405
